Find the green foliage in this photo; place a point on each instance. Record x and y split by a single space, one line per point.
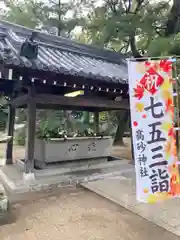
27 13
3 119
55 125
57 12
3 115
139 27
43 15
48 130
20 137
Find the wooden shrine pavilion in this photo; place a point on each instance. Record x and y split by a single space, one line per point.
38 69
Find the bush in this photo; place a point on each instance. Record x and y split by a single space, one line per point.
3 120
20 136
2 126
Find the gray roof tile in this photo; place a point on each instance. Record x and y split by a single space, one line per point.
62 56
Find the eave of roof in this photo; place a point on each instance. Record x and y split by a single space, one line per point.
62 56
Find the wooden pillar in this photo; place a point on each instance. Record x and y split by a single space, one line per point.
96 118
31 131
10 132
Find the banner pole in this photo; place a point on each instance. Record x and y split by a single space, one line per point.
177 107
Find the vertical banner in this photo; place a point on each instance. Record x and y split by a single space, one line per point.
152 119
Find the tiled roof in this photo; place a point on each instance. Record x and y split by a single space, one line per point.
61 55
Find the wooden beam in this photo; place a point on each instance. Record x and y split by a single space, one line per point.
49 101
6 86
19 101
31 131
70 80
11 122
76 102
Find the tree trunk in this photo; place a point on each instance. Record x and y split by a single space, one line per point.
134 50
172 25
122 123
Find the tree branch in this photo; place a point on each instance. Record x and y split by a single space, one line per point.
132 39
112 5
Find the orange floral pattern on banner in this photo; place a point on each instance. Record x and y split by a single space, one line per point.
156 80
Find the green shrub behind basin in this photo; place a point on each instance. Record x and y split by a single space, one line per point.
20 136
3 119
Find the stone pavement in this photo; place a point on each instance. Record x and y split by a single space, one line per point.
14 182
77 214
121 190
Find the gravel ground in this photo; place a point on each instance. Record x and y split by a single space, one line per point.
78 215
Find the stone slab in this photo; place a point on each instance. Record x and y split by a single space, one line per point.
15 183
122 191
